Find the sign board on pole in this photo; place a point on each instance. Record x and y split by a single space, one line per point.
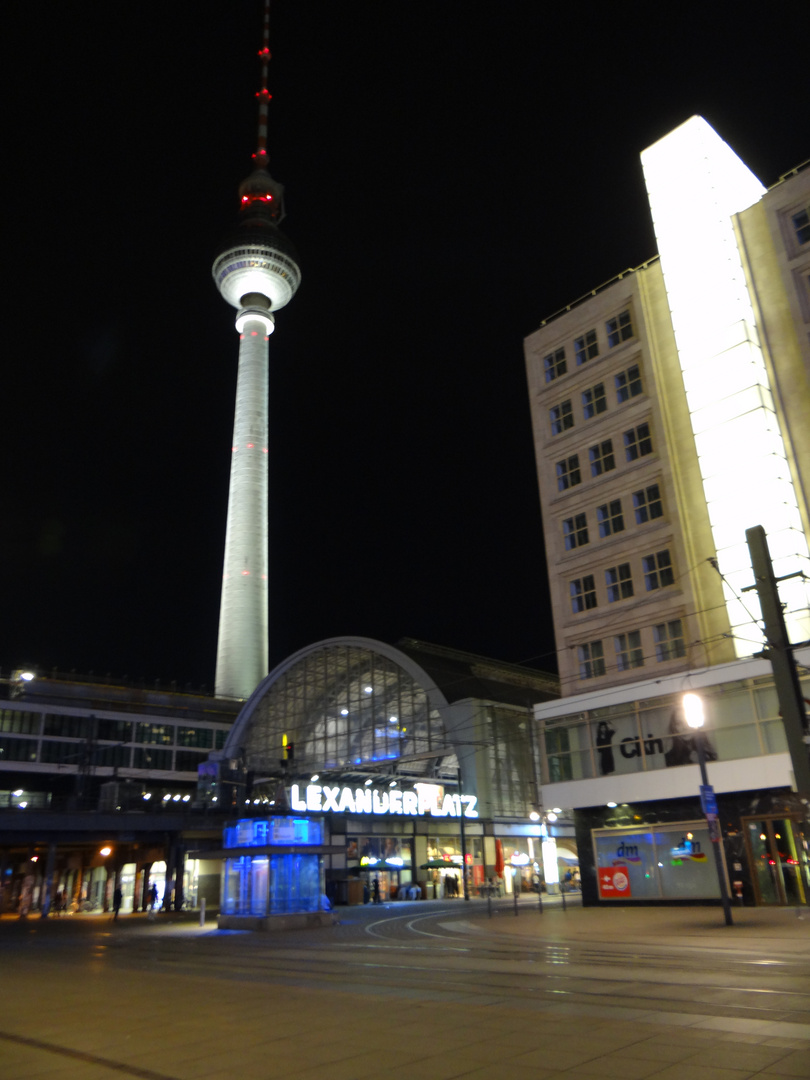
708 800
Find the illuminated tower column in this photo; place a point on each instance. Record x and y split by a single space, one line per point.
257 273
696 183
242 651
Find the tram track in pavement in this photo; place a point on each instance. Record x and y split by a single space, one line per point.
438 957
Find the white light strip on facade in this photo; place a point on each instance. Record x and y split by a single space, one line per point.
695 183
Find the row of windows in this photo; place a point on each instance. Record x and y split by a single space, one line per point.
627 385
617 330
668 640
647 505
99 729
53 752
657 572
602 458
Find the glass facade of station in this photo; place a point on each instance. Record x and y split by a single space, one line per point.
342 706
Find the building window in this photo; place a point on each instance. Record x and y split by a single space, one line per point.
562 418
637 442
568 474
658 571
619 581
586 347
610 518
801 223
188 760
555 365
594 401
647 504
575 532
619 329
628 383
591 660
202 737
583 594
668 638
628 650
602 459
152 733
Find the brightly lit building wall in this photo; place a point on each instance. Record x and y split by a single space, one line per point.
696 183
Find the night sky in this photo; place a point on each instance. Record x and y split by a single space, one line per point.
455 172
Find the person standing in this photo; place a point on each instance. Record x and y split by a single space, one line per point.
375 891
118 897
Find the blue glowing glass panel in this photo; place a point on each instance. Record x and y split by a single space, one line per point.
260 832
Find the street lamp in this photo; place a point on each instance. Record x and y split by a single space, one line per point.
693 712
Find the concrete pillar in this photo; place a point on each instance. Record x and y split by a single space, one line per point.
47 884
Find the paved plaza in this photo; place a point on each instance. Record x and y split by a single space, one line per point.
437 990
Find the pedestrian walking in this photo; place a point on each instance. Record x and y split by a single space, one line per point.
118 897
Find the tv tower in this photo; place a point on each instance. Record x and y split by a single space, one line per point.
257 273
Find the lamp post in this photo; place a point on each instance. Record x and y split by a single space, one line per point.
693 712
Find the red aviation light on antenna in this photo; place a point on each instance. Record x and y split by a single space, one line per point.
264 94
264 53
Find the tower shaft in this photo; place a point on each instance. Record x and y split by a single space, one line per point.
242 646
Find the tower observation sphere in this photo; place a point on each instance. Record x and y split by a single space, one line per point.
256 272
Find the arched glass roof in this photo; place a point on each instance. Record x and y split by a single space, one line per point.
347 704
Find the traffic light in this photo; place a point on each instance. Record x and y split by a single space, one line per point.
289 752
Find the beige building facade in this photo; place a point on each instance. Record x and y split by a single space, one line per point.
645 425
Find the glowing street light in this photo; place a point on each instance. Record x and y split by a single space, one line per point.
693 714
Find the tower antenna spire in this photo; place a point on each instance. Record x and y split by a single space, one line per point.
264 94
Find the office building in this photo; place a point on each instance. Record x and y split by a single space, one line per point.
670 408
669 411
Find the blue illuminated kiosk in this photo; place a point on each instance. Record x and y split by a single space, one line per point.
273 876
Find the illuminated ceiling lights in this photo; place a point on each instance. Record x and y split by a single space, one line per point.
695 183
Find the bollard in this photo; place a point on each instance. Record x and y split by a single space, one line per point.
489 901
562 894
540 898
515 894
202 912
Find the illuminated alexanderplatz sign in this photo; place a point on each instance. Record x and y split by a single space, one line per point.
422 799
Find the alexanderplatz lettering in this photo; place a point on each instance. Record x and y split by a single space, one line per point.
424 799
